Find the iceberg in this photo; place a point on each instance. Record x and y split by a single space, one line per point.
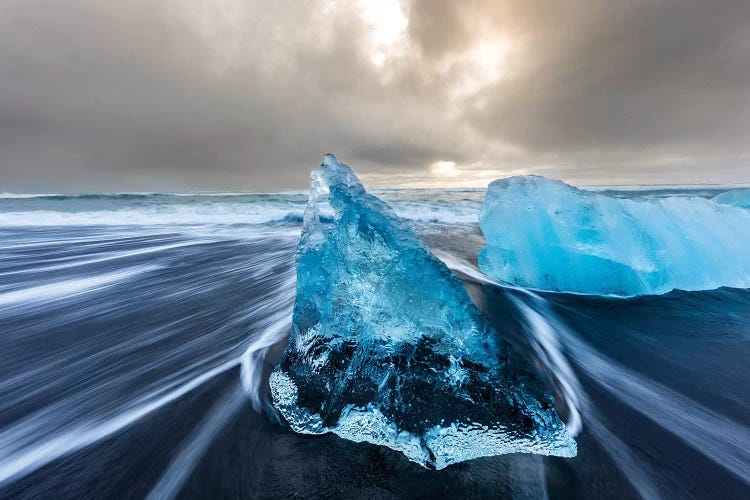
736 198
545 234
387 347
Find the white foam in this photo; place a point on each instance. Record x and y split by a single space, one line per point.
69 288
17 459
186 214
719 438
107 256
434 212
218 213
196 445
24 195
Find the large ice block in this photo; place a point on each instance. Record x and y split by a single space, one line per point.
543 233
387 347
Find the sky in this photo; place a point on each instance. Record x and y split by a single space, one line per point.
161 95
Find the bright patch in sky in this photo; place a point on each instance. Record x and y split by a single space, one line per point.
444 168
387 23
482 65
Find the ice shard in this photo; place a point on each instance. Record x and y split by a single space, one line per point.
387 347
543 233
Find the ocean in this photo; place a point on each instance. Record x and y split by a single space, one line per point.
137 333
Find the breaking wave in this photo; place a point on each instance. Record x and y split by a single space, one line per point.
140 209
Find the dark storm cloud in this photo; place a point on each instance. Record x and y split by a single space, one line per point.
144 95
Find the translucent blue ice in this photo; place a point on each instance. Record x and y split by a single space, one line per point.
736 197
387 347
543 233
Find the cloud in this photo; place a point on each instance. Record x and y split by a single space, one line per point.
146 95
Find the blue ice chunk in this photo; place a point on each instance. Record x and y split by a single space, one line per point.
387 347
736 197
543 233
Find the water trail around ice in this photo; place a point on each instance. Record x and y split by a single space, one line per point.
716 436
719 438
549 348
100 328
193 449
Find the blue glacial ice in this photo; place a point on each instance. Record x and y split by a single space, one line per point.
545 234
386 346
736 198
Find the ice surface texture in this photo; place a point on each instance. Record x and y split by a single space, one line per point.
736 197
546 234
387 347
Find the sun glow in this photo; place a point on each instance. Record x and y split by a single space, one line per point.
387 24
444 168
482 65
